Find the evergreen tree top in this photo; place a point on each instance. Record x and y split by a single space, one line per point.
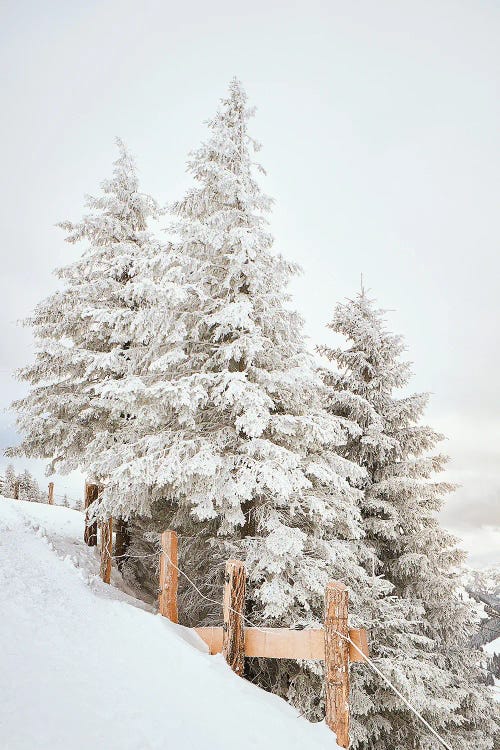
369 372
223 166
121 212
373 357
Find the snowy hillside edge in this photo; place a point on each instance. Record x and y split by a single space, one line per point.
86 663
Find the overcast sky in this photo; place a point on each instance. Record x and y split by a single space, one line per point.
380 126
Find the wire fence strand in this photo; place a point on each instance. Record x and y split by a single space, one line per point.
394 688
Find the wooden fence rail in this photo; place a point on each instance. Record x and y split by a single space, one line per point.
284 643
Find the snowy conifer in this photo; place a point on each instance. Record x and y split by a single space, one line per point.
261 463
89 335
28 488
431 661
231 445
9 482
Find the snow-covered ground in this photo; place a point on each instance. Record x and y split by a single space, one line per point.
85 665
494 648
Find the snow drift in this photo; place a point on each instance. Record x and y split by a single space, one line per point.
86 665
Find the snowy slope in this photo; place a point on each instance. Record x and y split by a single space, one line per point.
84 665
494 648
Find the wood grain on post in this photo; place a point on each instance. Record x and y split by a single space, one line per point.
233 634
337 661
169 576
51 493
106 549
90 533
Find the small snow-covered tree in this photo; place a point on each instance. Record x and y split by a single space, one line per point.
28 488
9 482
432 661
87 333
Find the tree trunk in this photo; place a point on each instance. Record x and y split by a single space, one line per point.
90 533
122 541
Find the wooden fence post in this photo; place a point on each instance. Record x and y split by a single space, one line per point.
337 661
233 634
51 493
106 549
169 576
90 533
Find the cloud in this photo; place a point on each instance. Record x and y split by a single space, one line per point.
475 505
482 545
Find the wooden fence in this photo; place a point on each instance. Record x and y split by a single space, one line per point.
234 640
334 644
51 496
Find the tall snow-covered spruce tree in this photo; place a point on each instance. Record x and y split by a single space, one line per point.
92 333
430 660
231 445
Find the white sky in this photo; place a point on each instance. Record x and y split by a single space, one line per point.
380 126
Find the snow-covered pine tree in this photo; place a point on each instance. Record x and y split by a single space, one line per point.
231 445
91 334
9 482
37 494
432 661
28 488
